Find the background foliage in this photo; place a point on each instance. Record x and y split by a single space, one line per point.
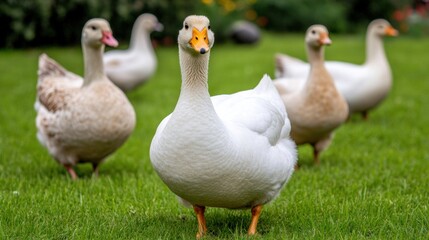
297 15
59 22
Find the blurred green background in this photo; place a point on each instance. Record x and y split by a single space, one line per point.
59 22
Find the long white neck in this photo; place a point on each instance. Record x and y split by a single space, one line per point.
140 39
194 110
194 69
93 61
194 120
374 49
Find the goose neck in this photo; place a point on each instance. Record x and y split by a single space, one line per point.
316 56
194 69
93 62
374 49
318 75
140 39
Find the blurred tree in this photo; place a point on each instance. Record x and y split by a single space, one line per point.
59 22
367 10
338 16
298 15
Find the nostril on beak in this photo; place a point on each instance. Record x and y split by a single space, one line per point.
202 50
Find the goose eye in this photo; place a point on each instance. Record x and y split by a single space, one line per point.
313 32
209 27
186 26
93 28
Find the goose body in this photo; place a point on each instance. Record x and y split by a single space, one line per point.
130 68
363 86
315 109
230 151
82 119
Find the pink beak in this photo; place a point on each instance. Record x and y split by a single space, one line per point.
109 40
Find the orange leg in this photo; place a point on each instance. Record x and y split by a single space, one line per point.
256 212
365 115
95 169
316 156
71 171
202 228
296 166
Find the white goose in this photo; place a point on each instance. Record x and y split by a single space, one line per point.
228 151
363 86
82 120
130 68
317 108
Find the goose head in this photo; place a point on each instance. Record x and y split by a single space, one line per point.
97 32
381 28
149 23
317 36
196 36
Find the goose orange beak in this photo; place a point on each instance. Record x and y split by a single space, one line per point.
324 39
200 41
390 31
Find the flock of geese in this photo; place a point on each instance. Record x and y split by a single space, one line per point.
229 151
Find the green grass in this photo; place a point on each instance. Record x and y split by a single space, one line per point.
372 182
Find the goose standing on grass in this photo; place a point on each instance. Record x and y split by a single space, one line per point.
82 120
130 68
363 86
317 108
228 151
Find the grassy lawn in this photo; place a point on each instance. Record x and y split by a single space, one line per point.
372 182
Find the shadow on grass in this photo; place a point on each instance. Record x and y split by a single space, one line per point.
221 224
85 170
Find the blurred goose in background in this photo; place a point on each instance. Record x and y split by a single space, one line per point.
363 86
134 66
82 120
229 151
317 108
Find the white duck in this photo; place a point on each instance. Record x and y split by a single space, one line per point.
134 66
82 120
316 109
228 151
363 86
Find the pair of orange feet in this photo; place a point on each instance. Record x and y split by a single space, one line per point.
202 228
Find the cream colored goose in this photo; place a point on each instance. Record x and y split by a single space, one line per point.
317 108
82 120
363 86
130 68
228 151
